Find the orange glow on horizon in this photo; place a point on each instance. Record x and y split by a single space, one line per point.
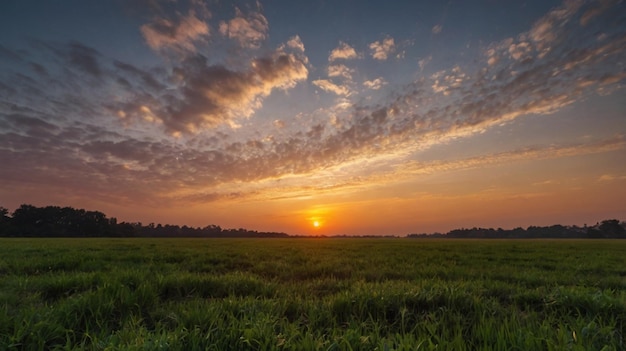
317 219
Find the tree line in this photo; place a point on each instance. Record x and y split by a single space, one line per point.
607 229
55 221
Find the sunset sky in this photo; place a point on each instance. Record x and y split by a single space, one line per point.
367 117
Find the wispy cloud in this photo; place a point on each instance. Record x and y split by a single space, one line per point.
84 58
9 55
596 10
333 181
611 177
523 154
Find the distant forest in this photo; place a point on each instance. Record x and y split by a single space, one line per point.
607 229
55 221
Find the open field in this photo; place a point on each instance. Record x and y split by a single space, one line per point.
312 294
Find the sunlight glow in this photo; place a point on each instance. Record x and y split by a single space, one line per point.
317 217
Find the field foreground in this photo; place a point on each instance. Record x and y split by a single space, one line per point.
312 294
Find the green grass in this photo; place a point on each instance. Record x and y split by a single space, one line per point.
312 294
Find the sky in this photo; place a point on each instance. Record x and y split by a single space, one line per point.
317 117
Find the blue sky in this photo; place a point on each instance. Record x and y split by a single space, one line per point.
369 117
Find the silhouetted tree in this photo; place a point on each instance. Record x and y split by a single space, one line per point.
55 221
125 230
5 222
612 228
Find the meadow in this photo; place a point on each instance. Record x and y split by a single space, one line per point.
312 294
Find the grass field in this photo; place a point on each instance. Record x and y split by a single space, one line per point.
312 294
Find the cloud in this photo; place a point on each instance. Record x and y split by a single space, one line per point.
611 177
214 94
7 54
423 62
29 125
382 49
340 70
375 84
146 78
74 55
393 172
248 30
529 153
595 11
343 51
457 104
179 34
521 50
64 131
84 58
437 29
296 43
544 32
331 87
445 81
57 160
83 64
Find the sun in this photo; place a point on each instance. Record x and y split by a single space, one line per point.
316 223
317 219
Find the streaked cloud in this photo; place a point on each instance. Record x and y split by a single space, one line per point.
596 10
611 177
9 55
333 181
530 153
84 58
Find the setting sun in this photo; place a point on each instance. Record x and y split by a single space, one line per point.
317 218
